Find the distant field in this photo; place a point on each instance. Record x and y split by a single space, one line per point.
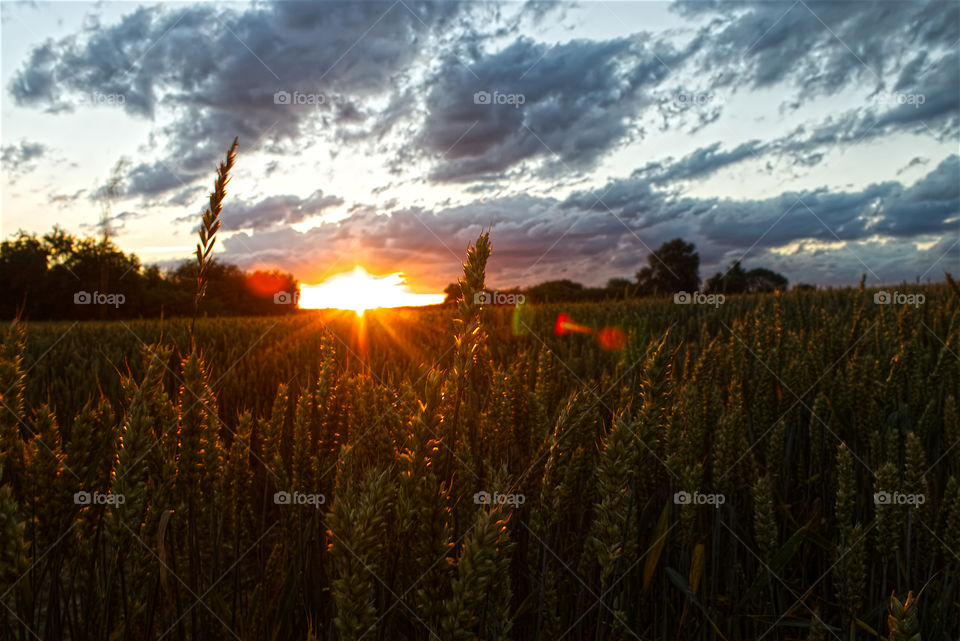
690 485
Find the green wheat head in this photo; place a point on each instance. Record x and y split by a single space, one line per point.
211 223
903 620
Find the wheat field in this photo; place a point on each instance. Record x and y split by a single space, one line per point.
467 473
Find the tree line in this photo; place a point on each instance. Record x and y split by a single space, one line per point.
674 267
65 277
61 276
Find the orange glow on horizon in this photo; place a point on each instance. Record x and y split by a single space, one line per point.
358 290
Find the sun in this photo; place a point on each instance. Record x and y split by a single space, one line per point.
359 290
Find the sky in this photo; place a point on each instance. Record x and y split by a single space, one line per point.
818 139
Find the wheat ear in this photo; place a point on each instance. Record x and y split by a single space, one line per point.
210 226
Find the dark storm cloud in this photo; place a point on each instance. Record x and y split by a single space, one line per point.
569 103
218 71
606 232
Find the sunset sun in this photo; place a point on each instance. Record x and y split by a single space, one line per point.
359 290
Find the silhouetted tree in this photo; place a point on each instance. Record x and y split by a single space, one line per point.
42 278
556 291
737 281
674 267
620 288
732 281
761 280
232 291
453 293
24 274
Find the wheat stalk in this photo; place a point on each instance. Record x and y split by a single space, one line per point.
210 225
903 621
765 518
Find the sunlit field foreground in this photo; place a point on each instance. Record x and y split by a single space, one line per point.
745 471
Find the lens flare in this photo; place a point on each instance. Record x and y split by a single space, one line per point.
609 338
521 319
565 325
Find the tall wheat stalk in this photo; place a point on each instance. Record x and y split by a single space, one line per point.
210 226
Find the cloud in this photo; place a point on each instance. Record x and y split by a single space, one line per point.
451 89
205 74
275 210
216 72
926 94
566 105
929 108
816 235
115 223
154 179
905 51
881 208
63 201
569 105
700 163
916 161
18 158
818 46
930 206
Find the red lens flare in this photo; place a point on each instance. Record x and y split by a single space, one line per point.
609 338
565 325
